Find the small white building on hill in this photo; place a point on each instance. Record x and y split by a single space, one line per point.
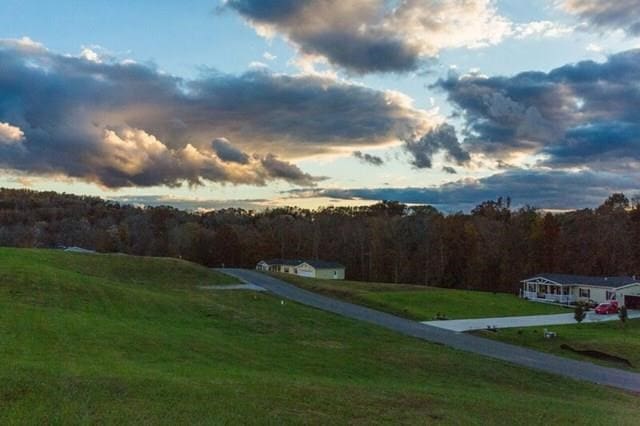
304 268
79 250
570 289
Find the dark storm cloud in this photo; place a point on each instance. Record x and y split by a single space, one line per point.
376 35
553 190
607 15
581 114
373 160
612 144
128 124
269 10
286 171
229 153
441 138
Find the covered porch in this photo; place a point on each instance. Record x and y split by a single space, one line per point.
543 290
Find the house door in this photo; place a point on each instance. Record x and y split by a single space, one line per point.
632 302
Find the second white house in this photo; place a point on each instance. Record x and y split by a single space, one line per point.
304 268
570 289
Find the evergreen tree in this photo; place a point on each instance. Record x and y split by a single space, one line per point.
623 315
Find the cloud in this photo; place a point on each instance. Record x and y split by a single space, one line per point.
132 157
269 56
365 36
606 15
593 47
81 118
90 55
373 160
545 29
10 134
441 138
583 114
281 169
24 44
229 153
553 190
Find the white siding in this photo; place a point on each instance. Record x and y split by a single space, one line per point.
306 270
597 294
633 290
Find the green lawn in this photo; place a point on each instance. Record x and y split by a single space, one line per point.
123 340
424 303
607 337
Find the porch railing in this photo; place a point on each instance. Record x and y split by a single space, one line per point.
549 297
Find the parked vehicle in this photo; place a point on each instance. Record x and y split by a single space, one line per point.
607 308
587 305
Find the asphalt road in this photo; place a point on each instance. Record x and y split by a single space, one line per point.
505 352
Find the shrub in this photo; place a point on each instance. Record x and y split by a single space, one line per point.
623 315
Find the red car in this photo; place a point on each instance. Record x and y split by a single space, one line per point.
607 308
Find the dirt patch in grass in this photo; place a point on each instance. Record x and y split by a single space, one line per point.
13 394
598 355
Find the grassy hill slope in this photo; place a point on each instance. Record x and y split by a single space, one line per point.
117 339
598 339
424 303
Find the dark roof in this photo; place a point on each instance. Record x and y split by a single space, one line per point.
613 282
288 262
318 264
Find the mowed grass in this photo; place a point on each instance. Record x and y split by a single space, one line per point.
125 340
610 338
424 303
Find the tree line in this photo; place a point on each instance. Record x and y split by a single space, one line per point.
491 248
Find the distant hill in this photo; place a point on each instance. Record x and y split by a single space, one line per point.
490 248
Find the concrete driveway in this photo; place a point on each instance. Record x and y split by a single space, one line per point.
465 342
526 321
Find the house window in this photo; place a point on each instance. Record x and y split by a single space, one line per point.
335 273
585 292
611 295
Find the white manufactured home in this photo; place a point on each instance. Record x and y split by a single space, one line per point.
304 268
570 289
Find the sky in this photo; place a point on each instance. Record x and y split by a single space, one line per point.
263 103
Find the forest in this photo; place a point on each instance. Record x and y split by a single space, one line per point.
490 248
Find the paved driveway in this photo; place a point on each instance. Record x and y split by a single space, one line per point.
249 287
505 352
526 321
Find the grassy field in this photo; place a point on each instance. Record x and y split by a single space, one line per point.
609 338
116 339
424 303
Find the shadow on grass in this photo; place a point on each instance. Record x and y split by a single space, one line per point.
598 355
